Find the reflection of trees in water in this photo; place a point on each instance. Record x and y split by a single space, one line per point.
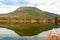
16 20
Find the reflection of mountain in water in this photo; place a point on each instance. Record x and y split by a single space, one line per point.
6 34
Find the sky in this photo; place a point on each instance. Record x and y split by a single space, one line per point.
44 5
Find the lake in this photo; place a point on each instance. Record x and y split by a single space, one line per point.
6 34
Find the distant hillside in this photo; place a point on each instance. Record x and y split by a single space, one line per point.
30 12
52 14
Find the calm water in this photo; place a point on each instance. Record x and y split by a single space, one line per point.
6 34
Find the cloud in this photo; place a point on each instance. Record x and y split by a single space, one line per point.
45 5
7 9
14 2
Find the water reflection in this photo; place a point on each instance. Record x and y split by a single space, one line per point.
6 34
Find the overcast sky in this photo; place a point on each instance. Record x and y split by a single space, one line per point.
45 5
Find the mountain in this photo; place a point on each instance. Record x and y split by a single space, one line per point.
29 29
52 14
29 12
